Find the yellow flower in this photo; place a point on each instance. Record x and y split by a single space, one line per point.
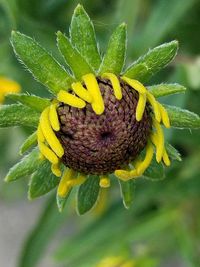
116 262
133 104
8 86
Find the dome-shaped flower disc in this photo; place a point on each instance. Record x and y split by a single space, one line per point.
96 144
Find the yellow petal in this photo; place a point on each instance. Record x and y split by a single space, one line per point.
115 84
94 90
70 99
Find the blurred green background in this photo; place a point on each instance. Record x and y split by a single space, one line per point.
163 226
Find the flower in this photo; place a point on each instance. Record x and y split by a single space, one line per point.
102 121
8 86
101 127
116 261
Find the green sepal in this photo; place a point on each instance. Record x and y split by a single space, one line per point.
88 194
73 58
28 143
127 192
25 167
61 202
32 101
40 63
42 181
114 58
17 115
182 118
173 152
155 171
166 89
83 37
154 61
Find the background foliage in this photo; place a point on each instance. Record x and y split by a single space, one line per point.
164 222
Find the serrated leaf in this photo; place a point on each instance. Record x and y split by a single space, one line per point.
166 89
155 171
154 61
127 192
28 143
173 152
88 194
42 181
182 118
26 166
32 101
17 115
72 57
114 58
83 37
41 235
40 63
61 202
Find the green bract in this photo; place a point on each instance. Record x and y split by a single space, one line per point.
81 54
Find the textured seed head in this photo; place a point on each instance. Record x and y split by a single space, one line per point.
100 144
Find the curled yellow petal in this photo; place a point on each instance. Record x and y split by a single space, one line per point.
126 175
81 92
78 181
48 153
55 168
64 187
143 165
166 159
49 133
140 107
53 117
40 135
155 106
138 86
104 182
94 90
70 99
164 116
115 84
159 137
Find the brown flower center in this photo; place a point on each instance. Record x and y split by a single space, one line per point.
100 144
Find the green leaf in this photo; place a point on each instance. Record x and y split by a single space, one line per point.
83 37
166 89
182 118
154 61
28 164
72 57
173 152
32 101
29 142
87 194
155 171
127 192
40 63
41 235
17 114
42 181
114 58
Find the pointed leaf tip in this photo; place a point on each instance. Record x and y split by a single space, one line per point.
114 58
73 58
154 60
83 38
40 63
